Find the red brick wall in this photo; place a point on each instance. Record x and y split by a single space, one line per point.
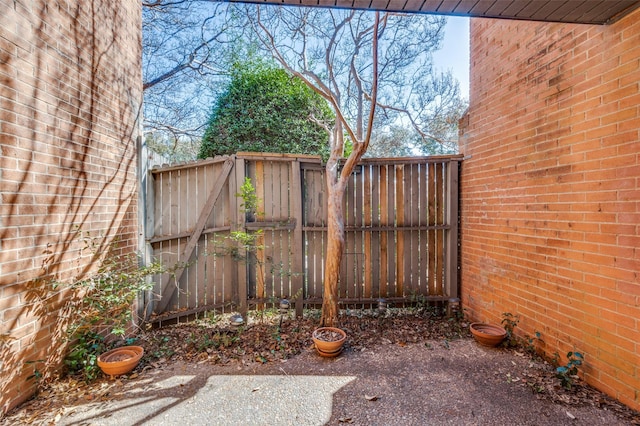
551 190
70 91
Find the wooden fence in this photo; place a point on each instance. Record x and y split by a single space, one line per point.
401 232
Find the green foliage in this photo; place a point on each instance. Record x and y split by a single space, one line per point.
528 343
531 343
105 312
162 347
37 374
245 241
242 245
249 198
83 356
264 109
566 373
510 322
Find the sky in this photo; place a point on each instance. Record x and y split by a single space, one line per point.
454 54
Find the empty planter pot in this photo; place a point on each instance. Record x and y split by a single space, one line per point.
488 334
120 360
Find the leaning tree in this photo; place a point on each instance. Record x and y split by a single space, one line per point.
374 70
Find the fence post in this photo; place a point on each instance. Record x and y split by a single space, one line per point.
239 225
451 254
297 250
146 221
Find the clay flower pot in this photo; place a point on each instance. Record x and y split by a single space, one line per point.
329 341
487 334
120 360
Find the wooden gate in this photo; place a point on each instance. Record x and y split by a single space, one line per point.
400 222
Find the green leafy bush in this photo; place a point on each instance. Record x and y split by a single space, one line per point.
264 109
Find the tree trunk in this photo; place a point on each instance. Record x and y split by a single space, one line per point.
336 186
335 247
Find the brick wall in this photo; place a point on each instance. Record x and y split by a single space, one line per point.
551 190
70 91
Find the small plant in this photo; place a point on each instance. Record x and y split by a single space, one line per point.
83 355
510 322
105 312
418 302
242 245
250 200
212 317
532 341
567 373
37 373
163 349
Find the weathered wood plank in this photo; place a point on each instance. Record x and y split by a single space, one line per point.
188 219
431 243
451 243
423 221
296 250
400 236
260 215
374 257
392 235
384 221
313 182
440 219
367 221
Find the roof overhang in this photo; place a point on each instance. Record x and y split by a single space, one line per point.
567 11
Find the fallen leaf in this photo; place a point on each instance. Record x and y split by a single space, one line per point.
371 398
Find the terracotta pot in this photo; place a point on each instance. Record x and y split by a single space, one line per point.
329 341
488 334
120 360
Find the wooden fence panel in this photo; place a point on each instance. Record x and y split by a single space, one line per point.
399 218
278 216
399 210
178 241
314 214
423 233
367 220
439 272
413 217
392 230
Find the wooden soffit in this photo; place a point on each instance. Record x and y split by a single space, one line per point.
568 11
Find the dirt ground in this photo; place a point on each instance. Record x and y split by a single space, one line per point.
406 368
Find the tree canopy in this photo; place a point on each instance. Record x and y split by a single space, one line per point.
265 109
190 46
